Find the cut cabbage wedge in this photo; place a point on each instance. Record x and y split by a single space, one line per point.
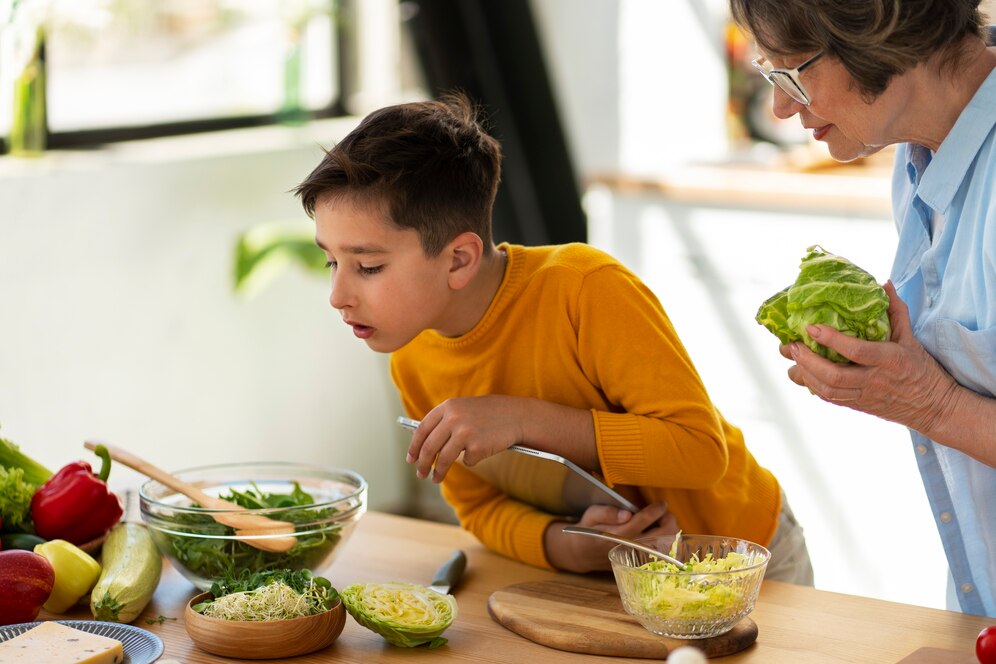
406 614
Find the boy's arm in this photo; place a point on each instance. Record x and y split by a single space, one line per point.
662 429
668 432
502 524
523 533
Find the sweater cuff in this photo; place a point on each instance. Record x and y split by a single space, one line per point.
529 541
619 442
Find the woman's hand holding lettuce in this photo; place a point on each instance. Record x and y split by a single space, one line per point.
830 290
899 381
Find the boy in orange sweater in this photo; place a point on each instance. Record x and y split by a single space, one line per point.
560 348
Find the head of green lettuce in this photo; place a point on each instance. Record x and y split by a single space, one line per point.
832 291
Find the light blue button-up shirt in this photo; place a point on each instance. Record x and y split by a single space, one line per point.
949 284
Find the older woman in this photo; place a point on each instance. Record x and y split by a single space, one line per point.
864 74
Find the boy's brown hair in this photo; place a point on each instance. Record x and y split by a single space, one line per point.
430 165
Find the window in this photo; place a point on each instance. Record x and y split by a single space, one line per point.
133 68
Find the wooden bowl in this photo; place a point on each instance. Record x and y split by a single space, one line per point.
93 546
275 639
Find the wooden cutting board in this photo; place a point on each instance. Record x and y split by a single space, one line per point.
588 617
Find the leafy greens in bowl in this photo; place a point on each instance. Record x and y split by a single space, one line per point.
277 614
323 503
829 290
279 594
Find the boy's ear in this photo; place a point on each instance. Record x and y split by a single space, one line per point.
465 251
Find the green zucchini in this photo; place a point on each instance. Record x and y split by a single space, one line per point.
130 569
25 541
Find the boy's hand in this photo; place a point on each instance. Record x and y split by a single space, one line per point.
574 553
477 427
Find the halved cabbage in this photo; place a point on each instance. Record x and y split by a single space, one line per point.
406 614
833 291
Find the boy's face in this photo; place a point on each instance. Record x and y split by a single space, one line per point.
384 286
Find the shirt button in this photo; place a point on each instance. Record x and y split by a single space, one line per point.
921 449
946 517
967 587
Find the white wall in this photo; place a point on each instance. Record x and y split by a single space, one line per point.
118 319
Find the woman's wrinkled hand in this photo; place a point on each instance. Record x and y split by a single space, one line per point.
578 553
897 380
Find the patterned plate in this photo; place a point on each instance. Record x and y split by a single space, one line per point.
140 646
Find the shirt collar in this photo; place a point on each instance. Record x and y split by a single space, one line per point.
951 162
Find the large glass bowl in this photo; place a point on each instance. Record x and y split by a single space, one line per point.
203 549
689 605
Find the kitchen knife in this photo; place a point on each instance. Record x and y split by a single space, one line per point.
449 574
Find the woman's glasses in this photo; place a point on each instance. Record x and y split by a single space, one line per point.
787 79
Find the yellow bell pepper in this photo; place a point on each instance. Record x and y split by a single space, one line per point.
76 573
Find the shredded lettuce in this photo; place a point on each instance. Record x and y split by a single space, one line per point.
274 601
278 594
696 591
690 597
829 290
405 614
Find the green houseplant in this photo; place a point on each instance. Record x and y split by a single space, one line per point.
266 249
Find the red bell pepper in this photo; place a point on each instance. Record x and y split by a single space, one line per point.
75 503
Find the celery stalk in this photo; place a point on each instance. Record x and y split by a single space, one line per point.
11 456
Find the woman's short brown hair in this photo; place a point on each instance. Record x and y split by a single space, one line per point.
428 165
874 39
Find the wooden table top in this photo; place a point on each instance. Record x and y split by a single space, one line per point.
795 624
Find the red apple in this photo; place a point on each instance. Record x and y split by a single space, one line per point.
26 580
985 645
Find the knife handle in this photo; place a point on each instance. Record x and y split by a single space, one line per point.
451 571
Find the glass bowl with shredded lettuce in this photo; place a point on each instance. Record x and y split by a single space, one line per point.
324 504
714 590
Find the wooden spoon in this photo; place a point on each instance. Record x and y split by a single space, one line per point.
259 531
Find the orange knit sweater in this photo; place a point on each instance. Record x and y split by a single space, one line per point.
571 325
